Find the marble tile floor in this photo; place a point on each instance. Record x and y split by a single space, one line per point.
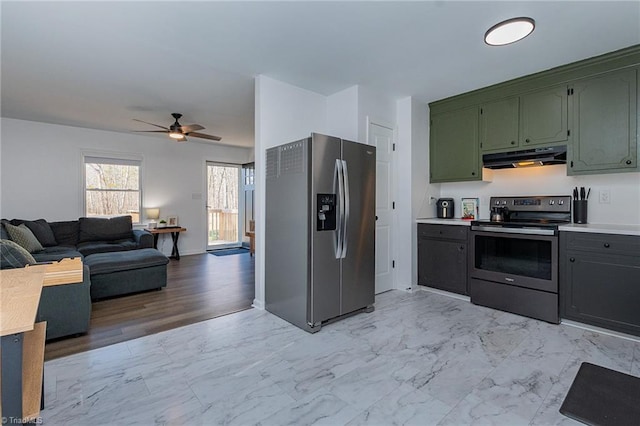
419 359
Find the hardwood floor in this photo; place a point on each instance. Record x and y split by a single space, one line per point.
199 287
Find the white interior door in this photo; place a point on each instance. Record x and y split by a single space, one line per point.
382 138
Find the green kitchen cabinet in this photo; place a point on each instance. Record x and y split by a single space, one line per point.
499 125
543 117
604 124
453 146
530 120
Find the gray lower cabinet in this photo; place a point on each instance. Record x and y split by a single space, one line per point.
600 280
442 257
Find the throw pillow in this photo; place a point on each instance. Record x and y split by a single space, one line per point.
13 256
42 231
24 237
4 235
105 229
66 233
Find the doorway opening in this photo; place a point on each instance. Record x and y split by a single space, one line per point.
224 228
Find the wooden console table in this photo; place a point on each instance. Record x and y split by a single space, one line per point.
22 356
175 233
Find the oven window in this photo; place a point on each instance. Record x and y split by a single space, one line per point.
514 256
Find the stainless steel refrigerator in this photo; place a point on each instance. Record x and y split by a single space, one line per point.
320 230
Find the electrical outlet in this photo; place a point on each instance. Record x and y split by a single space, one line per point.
605 196
432 200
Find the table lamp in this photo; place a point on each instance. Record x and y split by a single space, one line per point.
152 216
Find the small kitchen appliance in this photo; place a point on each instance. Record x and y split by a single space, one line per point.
499 214
444 207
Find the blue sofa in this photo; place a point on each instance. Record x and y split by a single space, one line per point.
118 260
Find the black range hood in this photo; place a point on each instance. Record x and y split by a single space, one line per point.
526 158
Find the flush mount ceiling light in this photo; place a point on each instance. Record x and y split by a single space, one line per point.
509 31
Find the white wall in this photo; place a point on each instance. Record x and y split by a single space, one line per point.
342 114
421 190
412 160
552 180
41 174
284 113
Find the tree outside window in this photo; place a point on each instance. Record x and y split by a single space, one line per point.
112 188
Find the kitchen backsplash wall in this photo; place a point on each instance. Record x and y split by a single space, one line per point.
624 191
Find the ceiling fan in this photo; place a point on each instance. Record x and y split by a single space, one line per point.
178 131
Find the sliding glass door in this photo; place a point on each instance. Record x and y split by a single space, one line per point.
223 220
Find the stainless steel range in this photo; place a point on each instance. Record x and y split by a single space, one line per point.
514 257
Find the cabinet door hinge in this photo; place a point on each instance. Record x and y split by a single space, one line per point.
568 132
480 111
393 205
480 144
569 92
571 163
393 263
394 147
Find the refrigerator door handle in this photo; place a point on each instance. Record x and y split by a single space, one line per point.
338 171
345 174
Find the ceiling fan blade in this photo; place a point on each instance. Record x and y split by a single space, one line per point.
205 136
150 131
188 128
146 122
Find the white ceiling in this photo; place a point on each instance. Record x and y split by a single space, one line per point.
100 64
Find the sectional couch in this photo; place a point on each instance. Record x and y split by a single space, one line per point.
117 260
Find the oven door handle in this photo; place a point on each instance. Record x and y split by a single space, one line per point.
505 230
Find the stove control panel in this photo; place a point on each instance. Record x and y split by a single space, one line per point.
554 203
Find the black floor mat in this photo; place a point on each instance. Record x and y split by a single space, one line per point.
227 252
600 396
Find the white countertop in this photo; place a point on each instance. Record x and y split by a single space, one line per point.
437 221
602 228
598 228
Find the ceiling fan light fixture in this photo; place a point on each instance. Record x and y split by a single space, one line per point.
509 31
176 135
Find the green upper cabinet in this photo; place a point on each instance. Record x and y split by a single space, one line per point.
499 125
453 146
533 119
543 117
591 106
604 124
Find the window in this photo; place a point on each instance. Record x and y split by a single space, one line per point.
112 187
249 173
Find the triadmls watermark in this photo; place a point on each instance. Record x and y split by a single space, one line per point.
21 421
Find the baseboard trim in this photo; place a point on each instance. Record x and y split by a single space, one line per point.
444 293
600 330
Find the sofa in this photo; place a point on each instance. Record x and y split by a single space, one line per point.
117 259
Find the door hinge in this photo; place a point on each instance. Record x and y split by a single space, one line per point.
393 263
569 92
393 205
394 147
568 132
